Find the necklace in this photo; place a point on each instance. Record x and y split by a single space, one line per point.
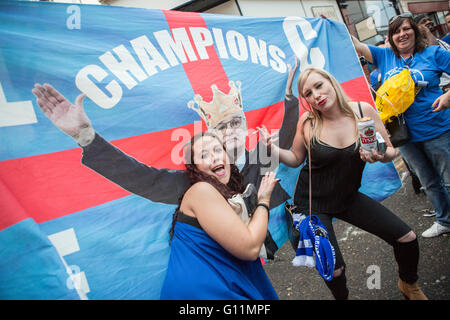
408 60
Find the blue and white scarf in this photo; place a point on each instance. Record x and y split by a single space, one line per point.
314 238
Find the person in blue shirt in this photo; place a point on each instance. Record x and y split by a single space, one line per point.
428 118
375 76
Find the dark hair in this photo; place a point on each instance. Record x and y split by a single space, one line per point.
420 41
194 175
420 17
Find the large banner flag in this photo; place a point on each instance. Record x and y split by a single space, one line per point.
93 222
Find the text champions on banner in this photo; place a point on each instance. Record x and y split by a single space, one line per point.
176 47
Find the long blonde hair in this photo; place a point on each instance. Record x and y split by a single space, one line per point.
315 115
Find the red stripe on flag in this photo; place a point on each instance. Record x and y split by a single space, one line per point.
358 90
204 72
11 209
52 185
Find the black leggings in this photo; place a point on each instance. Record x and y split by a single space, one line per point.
371 216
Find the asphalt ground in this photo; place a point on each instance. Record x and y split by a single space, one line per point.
371 268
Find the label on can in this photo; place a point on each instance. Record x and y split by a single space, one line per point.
367 133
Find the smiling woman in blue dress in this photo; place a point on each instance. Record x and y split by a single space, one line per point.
214 254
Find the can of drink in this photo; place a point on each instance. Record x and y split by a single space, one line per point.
367 133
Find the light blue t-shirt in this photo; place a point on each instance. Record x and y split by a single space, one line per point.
428 65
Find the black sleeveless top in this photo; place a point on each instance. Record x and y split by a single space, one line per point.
336 177
180 216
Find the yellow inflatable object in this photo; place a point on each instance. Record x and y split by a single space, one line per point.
395 95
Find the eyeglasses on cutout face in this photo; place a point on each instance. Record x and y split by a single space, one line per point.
403 15
233 124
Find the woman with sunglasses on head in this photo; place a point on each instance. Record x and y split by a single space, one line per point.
329 130
214 254
428 118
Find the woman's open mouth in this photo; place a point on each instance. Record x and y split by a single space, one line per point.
403 40
219 170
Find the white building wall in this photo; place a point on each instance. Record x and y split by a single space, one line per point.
149 4
87 1
255 8
76 1
270 8
229 7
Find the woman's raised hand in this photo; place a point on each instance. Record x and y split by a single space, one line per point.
266 138
266 187
69 118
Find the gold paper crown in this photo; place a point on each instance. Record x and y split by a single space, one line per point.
221 106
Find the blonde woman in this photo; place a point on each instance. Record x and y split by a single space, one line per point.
329 128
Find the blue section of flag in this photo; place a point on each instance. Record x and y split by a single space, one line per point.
124 247
30 267
380 180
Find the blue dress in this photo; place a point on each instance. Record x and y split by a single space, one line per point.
200 269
